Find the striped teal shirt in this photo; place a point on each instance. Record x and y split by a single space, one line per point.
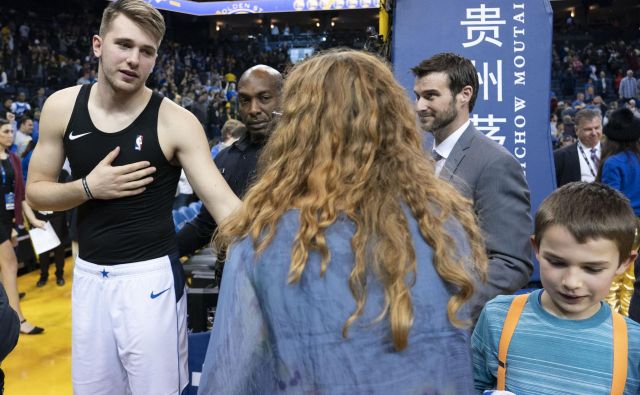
550 355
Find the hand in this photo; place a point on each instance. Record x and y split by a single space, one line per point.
14 237
36 223
111 182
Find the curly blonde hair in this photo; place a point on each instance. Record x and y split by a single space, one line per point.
347 143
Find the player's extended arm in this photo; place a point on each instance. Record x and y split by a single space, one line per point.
192 151
104 181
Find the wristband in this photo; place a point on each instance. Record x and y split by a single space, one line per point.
86 188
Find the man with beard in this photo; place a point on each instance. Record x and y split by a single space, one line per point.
446 87
259 91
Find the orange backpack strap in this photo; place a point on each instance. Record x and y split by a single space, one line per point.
620 350
509 326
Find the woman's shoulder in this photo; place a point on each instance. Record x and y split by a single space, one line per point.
622 158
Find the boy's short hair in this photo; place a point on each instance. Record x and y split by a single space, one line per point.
234 128
589 211
139 11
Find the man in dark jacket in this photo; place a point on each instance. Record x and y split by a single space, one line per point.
259 91
579 161
9 330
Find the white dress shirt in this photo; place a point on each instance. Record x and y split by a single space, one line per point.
588 169
444 148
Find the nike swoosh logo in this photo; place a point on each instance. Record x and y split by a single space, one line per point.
77 136
153 296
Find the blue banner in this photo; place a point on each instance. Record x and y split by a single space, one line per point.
259 6
509 42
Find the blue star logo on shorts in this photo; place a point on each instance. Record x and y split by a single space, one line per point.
105 273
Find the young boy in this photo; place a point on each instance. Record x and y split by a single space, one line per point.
563 341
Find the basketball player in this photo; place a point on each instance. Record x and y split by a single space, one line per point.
125 145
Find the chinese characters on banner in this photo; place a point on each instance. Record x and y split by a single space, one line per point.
484 27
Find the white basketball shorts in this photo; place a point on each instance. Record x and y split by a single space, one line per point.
129 328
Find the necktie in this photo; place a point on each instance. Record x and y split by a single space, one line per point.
436 156
594 157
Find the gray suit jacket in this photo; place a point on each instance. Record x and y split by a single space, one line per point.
485 172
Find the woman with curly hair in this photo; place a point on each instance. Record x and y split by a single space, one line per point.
351 262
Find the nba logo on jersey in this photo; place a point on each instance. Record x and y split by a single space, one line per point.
138 146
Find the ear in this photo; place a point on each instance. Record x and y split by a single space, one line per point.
535 245
464 97
96 44
625 264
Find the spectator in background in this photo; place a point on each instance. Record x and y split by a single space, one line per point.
199 109
568 82
628 87
620 169
4 80
58 221
631 105
617 79
86 78
6 106
11 209
598 104
579 161
579 103
20 106
603 85
38 100
589 91
24 135
553 127
360 217
232 130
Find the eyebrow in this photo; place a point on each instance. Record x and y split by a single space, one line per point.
549 255
256 95
427 92
130 41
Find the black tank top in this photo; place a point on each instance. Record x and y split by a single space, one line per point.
128 229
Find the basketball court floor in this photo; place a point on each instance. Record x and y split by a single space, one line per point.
41 364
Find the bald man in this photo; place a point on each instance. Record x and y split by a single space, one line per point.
259 91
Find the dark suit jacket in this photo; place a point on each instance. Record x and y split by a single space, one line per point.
485 172
603 92
9 330
567 164
9 325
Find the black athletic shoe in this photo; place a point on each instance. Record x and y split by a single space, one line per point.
60 281
42 282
